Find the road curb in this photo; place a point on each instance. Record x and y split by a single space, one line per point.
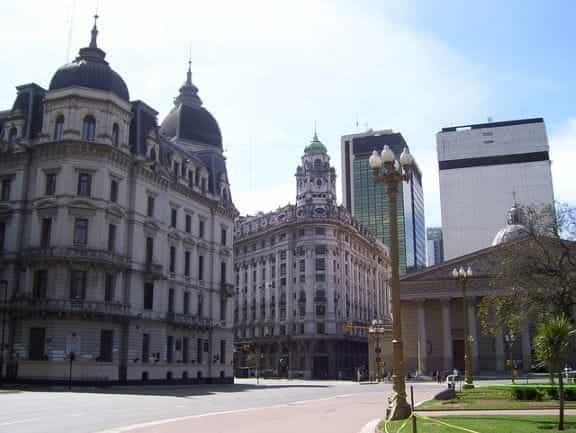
370 427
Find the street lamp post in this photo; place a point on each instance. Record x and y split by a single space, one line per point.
391 176
4 290
463 276
510 338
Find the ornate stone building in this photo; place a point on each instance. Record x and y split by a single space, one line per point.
302 272
115 234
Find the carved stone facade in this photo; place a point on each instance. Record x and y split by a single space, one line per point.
115 237
302 272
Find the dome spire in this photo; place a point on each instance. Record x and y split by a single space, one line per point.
189 73
93 43
188 92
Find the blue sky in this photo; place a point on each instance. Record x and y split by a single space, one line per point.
269 69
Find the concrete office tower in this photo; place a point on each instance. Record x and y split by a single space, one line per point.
484 169
434 246
368 202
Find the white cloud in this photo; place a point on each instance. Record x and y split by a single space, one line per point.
267 70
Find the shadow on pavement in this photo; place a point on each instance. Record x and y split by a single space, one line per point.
183 391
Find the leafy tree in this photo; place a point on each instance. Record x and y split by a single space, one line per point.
540 269
551 346
534 274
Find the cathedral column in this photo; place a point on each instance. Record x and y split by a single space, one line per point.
526 346
499 346
422 338
447 335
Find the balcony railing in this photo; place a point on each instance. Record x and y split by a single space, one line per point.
188 320
77 253
154 269
42 305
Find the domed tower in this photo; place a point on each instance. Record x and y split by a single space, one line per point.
87 100
315 179
193 129
189 123
515 227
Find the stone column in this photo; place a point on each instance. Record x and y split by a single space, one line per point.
473 329
500 352
447 335
526 346
422 338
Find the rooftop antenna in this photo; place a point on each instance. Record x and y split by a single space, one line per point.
357 123
70 30
514 197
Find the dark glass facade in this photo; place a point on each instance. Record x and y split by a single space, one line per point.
369 201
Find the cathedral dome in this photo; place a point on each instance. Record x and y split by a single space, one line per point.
515 228
90 70
188 120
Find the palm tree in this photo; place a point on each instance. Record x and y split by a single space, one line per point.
551 345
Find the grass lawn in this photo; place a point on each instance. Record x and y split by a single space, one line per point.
492 397
487 424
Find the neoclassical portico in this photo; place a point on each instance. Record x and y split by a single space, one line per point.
432 314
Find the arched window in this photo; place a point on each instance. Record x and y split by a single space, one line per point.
59 128
317 163
12 134
115 134
89 128
224 196
153 154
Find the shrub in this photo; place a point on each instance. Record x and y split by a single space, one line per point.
570 394
527 393
553 393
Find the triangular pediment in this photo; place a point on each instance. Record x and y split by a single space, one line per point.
484 262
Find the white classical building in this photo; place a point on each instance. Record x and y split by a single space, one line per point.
484 168
302 273
115 234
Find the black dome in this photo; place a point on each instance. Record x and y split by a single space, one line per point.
93 75
90 70
189 120
192 123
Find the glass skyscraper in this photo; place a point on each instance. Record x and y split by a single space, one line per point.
368 201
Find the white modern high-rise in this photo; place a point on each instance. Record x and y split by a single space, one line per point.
484 168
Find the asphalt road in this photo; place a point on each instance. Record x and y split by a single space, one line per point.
277 406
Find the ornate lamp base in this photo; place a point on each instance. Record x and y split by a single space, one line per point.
397 408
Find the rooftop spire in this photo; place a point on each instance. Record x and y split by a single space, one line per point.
188 91
189 73
93 43
92 53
